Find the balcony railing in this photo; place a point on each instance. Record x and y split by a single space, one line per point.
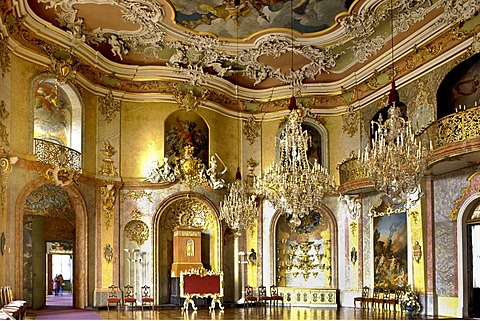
454 128
58 155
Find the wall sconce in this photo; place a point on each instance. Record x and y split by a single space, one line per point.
353 255
252 256
417 251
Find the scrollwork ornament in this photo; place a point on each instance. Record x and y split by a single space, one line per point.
190 212
4 143
108 194
109 106
61 176
5 62
189 100
137 231
136 195
351 122
251 129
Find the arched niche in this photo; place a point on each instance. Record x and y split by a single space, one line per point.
57 112
190 210
186 128
461 86
306 256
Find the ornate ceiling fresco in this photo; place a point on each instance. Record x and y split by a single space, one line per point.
241 49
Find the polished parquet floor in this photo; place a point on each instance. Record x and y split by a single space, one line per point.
61 307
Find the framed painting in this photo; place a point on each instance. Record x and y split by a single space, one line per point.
186 128
390 251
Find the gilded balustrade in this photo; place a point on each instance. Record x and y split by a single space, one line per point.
460 126
454 128
57 155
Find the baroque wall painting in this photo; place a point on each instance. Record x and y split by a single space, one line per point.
222 17
461 87
314 151
390 251
52 113
186 128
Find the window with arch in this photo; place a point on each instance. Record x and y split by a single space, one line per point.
57 113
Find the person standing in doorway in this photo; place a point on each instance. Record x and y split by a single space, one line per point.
60 284
56 285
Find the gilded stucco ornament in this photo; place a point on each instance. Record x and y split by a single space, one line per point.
136 195
137 231
189 169
190 212
108 165
353 228
108 194
189 99
4 143
351 122
5 169
61 176
5 62
251 129
109 107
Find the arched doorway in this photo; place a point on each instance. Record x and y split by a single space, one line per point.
47 212
183 210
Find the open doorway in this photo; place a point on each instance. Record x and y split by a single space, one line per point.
59 259
473 237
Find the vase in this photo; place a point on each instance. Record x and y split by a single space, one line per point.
409 310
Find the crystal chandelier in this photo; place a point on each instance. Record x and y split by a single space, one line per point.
294 185
397 160
239 208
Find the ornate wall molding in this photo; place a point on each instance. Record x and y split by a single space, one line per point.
137 231
109 107
190 212
4 143
351 122
251 129
108 195
5 62
108 164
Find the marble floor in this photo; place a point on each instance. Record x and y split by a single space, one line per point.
59 307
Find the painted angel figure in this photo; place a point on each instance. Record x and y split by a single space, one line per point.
215 179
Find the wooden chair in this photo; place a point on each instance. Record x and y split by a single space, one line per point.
362 299
147 297
379 299
262 295
129 296
370 300
113 297
15 308
393 299
249 297
274 296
